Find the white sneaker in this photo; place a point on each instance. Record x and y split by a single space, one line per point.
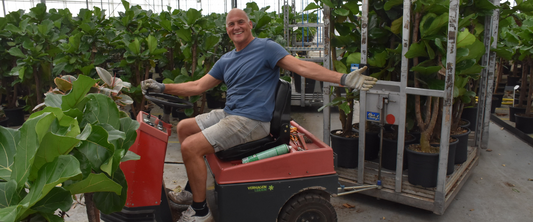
181 200
188 216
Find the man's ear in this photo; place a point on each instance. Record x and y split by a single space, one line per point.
251 24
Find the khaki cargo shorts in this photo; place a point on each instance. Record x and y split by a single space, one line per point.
224 131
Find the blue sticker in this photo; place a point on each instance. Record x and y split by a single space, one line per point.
373 116
354 67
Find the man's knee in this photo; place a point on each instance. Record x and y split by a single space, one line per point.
187 127
196 146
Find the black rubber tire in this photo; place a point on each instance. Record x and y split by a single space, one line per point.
309 207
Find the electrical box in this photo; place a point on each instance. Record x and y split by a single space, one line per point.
383 96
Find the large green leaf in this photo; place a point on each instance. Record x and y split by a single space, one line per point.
80 88
389 4
475 50
311 6
53 100
45 27
9 214
379 59
8 141
109 202
30 138
135 47
504 52
57 198
14 51
396 26
51 174
416 50
425 68
94 183
152 43
341 11
101 109
129 126
354 58
465 39
51 147
485 4
193 16
431 24
211 41
96 148
8 194
184 34
340 67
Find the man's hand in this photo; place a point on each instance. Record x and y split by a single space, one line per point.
151 85
358 81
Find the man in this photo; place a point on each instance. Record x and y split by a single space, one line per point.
251 72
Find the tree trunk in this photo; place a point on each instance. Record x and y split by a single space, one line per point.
524 83
93 214
37 86
529 97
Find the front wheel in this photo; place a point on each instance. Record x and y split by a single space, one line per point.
308 207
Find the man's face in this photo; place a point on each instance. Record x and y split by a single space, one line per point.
238 27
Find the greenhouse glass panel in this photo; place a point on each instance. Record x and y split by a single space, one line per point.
113 7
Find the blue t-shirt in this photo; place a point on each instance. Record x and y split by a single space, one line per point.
251 76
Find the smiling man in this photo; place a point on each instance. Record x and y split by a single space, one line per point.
251 72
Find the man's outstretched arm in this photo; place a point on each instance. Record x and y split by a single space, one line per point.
311 70
181 89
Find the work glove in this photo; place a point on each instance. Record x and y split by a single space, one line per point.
151 85
358 81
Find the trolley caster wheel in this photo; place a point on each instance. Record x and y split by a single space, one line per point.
308 207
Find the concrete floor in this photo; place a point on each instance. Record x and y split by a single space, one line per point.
499 189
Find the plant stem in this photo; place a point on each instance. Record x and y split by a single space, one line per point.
93 214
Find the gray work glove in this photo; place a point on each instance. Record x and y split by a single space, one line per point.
151 85
358 81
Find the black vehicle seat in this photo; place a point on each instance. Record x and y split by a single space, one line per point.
279 128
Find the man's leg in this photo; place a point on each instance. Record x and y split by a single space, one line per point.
193 150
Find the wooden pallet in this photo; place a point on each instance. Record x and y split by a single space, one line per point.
388 178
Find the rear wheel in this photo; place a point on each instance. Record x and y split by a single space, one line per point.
308 207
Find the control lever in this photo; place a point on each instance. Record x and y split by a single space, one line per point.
160 124
147 120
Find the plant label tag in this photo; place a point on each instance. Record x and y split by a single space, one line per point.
354 67
373 116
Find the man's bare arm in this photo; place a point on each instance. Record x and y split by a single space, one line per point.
192 88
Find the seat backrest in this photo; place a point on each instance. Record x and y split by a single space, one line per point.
279 128
280 123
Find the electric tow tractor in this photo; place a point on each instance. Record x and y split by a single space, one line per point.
295 186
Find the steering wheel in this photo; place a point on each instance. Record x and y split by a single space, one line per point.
169 102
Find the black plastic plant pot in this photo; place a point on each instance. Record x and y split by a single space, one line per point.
464 123
424 167
4 122
309 84
371 145
15 116
461 150
512 80
499 96
470 114
213 102
346 149
494 104
515 110
389 152
524 123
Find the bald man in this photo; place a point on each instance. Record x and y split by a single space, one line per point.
251 72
